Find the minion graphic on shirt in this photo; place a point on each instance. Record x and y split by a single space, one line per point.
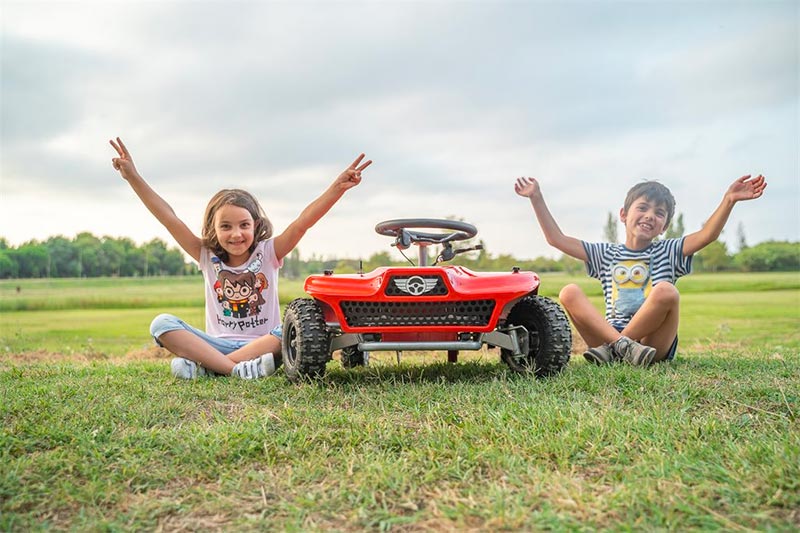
631 283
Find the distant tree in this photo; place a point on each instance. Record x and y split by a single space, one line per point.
378 259
8 264
770 256
546 264
676 229
740 238
291 265
159 261
134 261
610 229
173 262
112 253
571 265
90 258
64 259
483 253
713 258
32 260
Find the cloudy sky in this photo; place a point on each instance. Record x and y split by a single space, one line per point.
451 99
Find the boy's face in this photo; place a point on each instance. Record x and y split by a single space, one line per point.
645 220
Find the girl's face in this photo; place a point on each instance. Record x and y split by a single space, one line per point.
235 228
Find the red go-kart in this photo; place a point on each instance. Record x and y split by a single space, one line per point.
429 308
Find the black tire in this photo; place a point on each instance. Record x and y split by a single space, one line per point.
353 357
549 333
305 343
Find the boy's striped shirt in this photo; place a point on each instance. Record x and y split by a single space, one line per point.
627 275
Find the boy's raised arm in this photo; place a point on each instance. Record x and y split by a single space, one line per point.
529 188
286 241
744 188
185 238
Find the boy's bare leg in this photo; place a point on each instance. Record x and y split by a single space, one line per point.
589 322
656 322
189 346
260 346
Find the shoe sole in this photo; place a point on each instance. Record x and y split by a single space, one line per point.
592 358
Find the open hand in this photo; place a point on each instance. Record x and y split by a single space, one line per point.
747 188
527 187
352 174
123 163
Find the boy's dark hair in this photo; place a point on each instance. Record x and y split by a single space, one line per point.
654 192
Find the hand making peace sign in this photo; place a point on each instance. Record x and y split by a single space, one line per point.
123 163
352 174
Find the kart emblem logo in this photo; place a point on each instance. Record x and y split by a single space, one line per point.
415 285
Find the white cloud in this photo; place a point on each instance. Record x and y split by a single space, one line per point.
452 100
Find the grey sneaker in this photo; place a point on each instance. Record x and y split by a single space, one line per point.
183 368
601 355
260 367
634 353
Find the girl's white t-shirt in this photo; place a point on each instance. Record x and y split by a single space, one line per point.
242 302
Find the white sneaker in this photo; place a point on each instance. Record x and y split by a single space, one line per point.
183 368
260 367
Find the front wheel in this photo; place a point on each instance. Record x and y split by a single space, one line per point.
305 343
549 336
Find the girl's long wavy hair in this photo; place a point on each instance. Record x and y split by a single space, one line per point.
262 227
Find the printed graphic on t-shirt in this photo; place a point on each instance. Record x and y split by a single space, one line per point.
239 293
631 283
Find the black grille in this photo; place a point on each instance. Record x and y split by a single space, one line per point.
411 313
392 288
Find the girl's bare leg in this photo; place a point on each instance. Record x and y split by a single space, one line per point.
260 346
591 325
188 345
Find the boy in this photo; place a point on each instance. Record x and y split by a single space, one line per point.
642 304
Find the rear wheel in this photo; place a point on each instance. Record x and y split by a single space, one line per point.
549 336
305 343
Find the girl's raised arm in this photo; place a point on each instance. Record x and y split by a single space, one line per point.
349 178
163 212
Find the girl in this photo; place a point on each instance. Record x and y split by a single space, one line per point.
240 260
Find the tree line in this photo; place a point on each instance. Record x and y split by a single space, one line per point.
769 256
89 256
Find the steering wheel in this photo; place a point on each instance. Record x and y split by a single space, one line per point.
405 236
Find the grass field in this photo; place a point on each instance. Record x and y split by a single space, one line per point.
96 434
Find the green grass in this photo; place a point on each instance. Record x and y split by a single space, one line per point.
113 293
112 442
